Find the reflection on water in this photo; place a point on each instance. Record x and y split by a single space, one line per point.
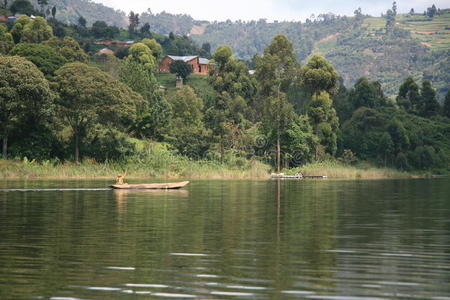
295 239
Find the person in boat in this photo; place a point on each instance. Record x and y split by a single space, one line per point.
120 178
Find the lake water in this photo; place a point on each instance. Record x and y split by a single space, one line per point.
338 240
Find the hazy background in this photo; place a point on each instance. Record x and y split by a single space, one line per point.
268 9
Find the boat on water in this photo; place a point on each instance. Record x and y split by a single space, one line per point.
151 186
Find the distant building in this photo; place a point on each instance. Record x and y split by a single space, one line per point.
3 18
199 65
105 51
114 43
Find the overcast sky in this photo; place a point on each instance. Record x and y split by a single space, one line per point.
268 9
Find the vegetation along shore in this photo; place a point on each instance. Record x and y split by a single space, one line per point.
161 106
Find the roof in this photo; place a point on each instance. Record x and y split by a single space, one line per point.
204 61
183 58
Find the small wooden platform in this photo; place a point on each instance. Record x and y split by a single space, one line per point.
297 176
151 186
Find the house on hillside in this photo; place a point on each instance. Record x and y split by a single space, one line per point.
105 51
199 65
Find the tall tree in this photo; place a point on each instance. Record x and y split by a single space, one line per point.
187 130
133 19
82 21
276 71
17 29
366 93
154 115
324 121
428 105
88 96
24 91
54 12
319 75
234 88
408 94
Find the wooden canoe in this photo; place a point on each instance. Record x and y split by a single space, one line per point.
151 186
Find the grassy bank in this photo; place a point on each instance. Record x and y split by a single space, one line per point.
337 170
184 168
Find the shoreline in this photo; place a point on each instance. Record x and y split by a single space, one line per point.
20 170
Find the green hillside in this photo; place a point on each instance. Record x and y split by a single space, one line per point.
357 46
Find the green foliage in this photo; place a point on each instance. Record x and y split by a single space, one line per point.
278 68
6 40
408 95
368 94
428 105
154 46
24 94
181 69
187 131
397 138
447 105
22 7
18 27
318 75
100 29
44 57
142 54
154 114
324 120
88 97
36 31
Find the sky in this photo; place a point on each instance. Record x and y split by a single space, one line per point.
281 10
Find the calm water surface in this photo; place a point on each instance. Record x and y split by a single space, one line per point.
356 240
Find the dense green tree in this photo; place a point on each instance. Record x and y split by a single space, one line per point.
278 68
24 94
324 121
82 21
299 142
17 29
408 95
154 115
22 7
228 113
447 105
88 96
181 69
368 94
101 30
276 71
6 40
142 54
36 31
319 75
386 147
154 46
72 51
145 31
187 131
133 20
44 57
428 105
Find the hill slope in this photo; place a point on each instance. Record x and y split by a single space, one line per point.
358 47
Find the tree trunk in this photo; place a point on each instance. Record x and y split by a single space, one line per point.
278 153
5 147
77 149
